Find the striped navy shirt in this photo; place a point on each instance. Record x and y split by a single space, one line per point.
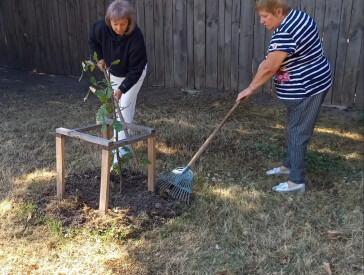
306 71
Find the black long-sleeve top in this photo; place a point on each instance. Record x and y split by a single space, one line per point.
129 49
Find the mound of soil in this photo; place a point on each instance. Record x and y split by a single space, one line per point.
132 206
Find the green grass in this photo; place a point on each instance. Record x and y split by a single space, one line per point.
235 223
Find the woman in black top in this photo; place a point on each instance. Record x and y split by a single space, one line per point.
117 37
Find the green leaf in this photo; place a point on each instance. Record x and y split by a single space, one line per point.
95 57
116 62
105 82
92 68
84 66
93 80
102 96
100 93
101 115
117 125
110 108
126 149
125 158
109 92
116 169
144 161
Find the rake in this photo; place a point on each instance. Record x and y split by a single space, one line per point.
178 183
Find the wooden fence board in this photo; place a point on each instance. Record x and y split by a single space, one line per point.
21 31
41 36
58 57
3 36
267 87
13 38
100 7
320 8
359 95
331 32
108 2
199 47
168 42
258 48
49 53
190 45
140 12
149 40
180 43
159 43
32 36
86 27
353 54
295 4
341 53
228 46
211 43
93 15
3 62
72 37
220 45
235 33
246 44
64 36
308 6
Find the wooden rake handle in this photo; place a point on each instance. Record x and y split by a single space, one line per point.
208 140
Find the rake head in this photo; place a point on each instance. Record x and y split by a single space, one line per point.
177 183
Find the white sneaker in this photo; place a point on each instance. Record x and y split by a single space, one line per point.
283 187
276 171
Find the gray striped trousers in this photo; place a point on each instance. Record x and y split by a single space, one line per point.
301 119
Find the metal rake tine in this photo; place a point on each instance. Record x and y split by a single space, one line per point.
164 186
176 192
173 191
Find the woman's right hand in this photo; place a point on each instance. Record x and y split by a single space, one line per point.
101 64
245 94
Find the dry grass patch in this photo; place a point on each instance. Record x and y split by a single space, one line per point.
235 223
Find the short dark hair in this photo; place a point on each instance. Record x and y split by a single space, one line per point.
271 5
121 9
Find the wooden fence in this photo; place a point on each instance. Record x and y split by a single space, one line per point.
191 43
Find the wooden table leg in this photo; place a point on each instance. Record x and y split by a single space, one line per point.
60 165
151 167
105 179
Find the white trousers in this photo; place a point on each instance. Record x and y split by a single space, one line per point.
127 101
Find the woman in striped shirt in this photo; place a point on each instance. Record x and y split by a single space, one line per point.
302 76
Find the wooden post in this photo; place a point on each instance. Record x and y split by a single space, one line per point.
151 167
106 133
105 178
60 165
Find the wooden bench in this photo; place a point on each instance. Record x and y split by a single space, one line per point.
106 146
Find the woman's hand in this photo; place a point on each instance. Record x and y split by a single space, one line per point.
245 94
117 94
101 64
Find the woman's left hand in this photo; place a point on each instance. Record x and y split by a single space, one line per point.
117 94
245 94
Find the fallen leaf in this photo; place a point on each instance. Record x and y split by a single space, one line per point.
333 234
327 268
222 272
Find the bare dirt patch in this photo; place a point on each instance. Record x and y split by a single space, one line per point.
133 205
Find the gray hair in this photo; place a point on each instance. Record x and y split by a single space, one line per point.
271 5
121 9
